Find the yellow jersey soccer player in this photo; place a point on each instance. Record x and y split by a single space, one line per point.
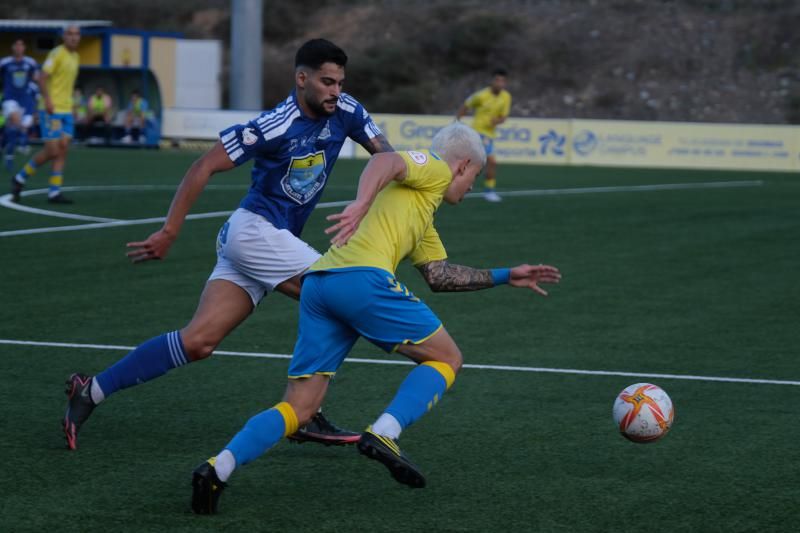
57 83
352 292
491 107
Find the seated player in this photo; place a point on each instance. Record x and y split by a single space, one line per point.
98 116
135 116
404 190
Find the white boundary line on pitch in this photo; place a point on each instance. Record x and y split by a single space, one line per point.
685 377
99 223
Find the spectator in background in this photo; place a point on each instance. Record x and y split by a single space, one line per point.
491 106
99 115
135 117
79 110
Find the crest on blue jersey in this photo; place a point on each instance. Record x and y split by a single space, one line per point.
326 131
20 78
305 177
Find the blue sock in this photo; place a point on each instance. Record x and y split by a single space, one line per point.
262 432
23 139
11 140
11 143
149 360
420 391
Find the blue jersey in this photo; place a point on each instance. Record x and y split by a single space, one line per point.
16 75
33 98
294 156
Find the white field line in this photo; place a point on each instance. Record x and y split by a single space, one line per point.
541 370
5 201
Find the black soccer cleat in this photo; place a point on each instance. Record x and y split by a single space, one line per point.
59 199
206 488
320 429
16 190
79 407
387 451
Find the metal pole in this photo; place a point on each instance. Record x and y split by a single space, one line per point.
245 80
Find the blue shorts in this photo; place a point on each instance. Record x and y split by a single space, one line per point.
488 144
338 307
57 125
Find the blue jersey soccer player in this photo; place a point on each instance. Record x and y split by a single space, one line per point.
56 82
17 72
404 190
295 146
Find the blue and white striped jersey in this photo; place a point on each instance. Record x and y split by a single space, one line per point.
294 156
16 74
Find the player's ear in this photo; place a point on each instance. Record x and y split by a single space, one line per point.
462 166
300 77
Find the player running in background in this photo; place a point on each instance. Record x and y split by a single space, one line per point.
491 106
17 71
295 146
56 82
405 189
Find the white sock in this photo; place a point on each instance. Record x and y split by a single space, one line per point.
96 392
225 465
387 426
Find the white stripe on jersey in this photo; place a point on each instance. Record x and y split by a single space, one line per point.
349 99
274 113
232 143
236 155
372 130
279 130
345 106
228 136
277 119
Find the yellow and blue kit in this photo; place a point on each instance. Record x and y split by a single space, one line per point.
351 291
61 67
486 106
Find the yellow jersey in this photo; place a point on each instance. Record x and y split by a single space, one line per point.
61 67
487 106
399 223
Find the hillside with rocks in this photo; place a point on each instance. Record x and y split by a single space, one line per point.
673 60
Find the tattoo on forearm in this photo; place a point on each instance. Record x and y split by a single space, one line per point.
444 277
378 144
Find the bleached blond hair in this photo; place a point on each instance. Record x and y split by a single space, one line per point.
458 141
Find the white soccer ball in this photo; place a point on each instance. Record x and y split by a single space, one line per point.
643 412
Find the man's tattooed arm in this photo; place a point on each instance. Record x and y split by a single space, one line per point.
444 277
378 144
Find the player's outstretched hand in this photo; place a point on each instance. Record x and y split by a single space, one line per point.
346 222
530 276
156 246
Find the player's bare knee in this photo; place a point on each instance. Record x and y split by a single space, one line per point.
198 346
454 359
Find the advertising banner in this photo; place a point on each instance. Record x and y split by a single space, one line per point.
518 140
684 145
564 141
